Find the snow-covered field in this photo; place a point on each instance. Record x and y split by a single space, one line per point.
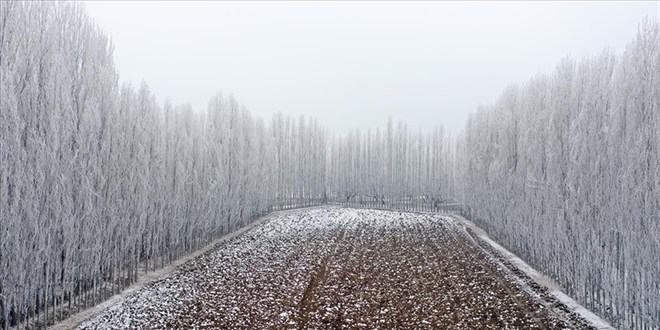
335 267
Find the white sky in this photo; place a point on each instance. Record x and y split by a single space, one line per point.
354 64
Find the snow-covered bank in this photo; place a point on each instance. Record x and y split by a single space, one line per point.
596 321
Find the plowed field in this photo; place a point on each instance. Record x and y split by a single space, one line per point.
340 268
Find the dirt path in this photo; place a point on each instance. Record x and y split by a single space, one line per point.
337 268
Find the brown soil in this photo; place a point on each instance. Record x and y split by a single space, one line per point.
336 268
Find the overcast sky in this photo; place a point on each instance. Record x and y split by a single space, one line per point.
354 64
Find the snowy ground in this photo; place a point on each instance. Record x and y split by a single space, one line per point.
332 267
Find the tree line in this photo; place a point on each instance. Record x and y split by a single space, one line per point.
564 170
393 168
99 182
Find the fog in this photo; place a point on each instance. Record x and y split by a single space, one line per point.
356 64
103 192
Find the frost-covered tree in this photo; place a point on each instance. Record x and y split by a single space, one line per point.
564 171
98 182
397 169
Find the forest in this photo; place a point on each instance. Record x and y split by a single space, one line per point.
99 182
